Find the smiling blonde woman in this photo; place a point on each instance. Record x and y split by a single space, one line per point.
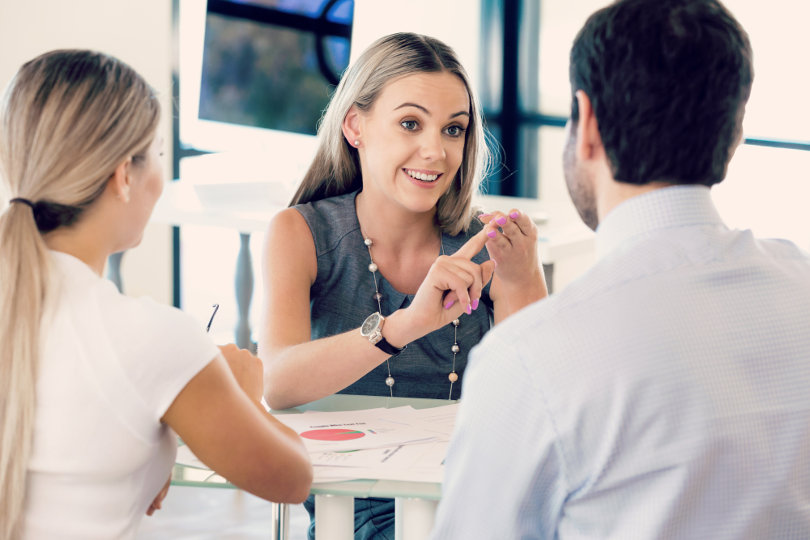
377 278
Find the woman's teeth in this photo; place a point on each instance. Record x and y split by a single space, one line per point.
422 176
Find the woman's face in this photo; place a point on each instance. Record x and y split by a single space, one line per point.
412 139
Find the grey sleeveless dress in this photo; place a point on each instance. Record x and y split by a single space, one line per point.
343 296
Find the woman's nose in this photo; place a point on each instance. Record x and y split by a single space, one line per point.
432 146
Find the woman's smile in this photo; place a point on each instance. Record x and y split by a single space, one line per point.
422 178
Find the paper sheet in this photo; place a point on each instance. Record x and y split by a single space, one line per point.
354 430
401 443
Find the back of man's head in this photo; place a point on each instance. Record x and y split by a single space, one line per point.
668 81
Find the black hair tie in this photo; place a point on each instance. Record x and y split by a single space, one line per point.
21 200
50 215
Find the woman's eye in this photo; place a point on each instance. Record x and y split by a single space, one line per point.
410 125
455 131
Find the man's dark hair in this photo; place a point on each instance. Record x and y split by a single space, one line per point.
668 81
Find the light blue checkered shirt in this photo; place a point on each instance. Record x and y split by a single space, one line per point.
665 394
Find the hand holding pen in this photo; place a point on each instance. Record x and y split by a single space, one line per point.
246 367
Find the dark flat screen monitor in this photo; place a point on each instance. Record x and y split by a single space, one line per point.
259 66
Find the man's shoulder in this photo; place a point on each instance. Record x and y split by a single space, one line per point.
783 248
567 321
546 318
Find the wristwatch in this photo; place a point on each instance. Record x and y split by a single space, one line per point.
372 329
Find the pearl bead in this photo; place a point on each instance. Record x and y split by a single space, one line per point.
389 381
455 348
367 241
377 296
453 377
372 267
455 322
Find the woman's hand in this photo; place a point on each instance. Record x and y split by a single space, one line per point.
246 368
513 246
452 287
158 502
518 279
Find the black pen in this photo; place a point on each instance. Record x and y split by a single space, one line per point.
208 328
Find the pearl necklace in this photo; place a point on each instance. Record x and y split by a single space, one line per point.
389 381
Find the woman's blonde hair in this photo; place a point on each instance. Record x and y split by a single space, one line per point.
336 167
68 119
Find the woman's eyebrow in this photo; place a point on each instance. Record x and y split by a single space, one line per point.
427 112
408 104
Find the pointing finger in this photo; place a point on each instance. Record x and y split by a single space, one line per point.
475 244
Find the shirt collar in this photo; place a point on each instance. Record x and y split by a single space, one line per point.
674 206
74 265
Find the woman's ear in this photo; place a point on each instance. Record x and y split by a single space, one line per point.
351 126
121 181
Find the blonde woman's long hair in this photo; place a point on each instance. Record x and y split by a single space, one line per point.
68 118
335 170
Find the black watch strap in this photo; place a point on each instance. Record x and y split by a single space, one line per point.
386 347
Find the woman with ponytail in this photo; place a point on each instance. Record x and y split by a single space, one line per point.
94 385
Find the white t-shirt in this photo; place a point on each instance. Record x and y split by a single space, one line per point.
110 368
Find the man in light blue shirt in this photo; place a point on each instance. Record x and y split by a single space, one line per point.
666 393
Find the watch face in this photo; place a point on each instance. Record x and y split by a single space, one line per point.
370 324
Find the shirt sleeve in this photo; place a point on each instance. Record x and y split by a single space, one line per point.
504 473
161 349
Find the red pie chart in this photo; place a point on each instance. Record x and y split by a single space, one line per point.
334 434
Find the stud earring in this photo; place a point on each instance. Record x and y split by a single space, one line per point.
357 142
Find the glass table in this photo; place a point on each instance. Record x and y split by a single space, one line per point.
415 502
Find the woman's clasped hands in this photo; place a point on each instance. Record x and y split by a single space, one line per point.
454 283
512 244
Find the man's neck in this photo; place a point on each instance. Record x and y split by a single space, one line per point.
612 193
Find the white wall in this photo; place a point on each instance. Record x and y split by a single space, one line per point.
137 32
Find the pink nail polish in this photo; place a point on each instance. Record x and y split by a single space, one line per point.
449 304
483 216
514 215
501 221
475 304
492 234
468 309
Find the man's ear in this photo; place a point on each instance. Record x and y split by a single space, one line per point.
589 141
351 126
121 182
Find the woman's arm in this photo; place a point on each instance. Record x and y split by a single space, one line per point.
519 279
298 370
234 436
